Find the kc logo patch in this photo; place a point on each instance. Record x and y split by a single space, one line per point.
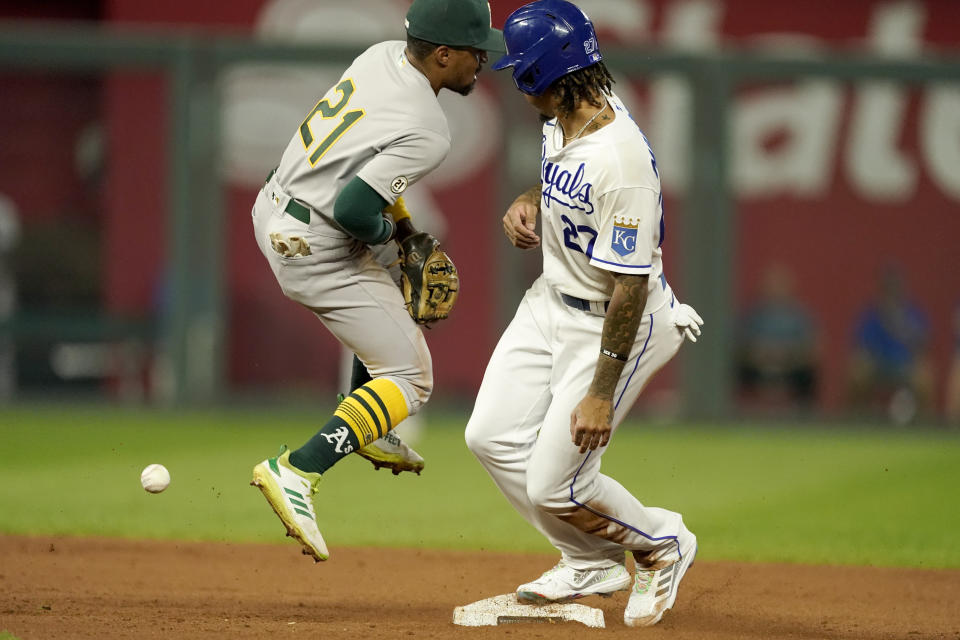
624 239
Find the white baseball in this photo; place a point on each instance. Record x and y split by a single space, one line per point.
155 478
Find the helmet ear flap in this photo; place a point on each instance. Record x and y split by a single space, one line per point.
527 79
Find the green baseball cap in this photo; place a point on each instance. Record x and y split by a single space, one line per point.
456 23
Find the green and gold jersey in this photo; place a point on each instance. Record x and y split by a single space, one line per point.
381 122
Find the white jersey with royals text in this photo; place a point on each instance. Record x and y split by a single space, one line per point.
602 210
381 122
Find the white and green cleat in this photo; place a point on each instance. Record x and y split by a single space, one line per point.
393 453
654 591
290 493
563 583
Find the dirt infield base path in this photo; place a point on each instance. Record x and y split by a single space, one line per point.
95 588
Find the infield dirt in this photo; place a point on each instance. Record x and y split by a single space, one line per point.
100 588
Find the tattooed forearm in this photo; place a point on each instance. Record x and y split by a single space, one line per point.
619 331
533 194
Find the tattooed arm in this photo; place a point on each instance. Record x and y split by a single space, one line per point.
590 421
520 221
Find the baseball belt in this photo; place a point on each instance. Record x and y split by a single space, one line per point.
594 306
294 208
591 306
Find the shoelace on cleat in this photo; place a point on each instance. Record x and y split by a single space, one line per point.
551 571
548 573
643 582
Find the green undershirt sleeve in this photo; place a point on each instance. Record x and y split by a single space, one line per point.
358 210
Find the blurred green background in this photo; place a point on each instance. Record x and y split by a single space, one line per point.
837 494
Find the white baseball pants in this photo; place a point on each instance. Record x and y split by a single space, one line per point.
520 431
354 297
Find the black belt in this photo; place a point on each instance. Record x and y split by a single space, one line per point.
584 305
294 208
580 303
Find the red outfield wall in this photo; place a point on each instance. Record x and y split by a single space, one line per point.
833 182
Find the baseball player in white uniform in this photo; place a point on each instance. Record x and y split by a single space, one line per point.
335 193
589 333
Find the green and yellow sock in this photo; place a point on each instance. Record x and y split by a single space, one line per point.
365 415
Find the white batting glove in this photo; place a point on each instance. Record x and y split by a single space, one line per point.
689 322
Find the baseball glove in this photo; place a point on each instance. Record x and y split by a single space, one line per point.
429 278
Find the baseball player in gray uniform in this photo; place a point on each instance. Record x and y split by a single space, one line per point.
336 192
589 333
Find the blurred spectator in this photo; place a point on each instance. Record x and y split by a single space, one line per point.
776 351
953 381
890 361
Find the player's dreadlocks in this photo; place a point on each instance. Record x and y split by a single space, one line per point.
590 84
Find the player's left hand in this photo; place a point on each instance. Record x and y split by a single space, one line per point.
590 423
429 280
688 321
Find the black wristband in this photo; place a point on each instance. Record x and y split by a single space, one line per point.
611 354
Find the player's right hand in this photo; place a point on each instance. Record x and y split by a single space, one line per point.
520 222
590 423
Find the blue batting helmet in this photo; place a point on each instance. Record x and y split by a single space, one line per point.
546 40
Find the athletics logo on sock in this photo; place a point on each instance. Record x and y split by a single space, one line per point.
340 438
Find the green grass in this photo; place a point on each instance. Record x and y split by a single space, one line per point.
839 496
6 635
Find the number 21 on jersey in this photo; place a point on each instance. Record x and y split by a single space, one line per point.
329 116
